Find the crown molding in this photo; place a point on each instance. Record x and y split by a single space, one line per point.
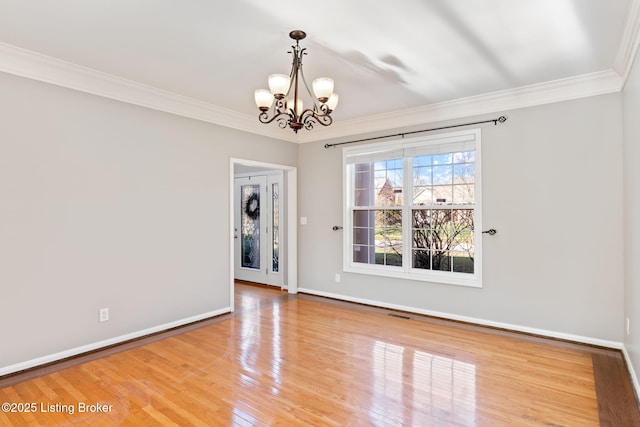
629 41
33 65
43 68
567 89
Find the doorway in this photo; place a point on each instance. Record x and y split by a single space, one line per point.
257 232
262 223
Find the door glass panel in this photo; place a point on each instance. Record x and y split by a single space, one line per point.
250 230
275 227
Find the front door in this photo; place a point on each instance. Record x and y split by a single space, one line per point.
257 231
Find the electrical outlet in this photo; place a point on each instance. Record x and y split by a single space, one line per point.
104 314
337 278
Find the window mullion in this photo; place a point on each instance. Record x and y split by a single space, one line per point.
407 203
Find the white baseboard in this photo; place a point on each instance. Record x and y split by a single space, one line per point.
108 342
518 328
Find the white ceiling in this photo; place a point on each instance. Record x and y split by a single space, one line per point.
387 58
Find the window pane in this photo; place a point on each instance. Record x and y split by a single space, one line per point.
421 259
464 174
275 226
250 226
422 176
464 193
363 180
462 262
442 159
390 255
361 236
422 195
441 260
422 238
388 195
422 160
443 194
442 175
421 218
363 254
462 221
362 218
464 157
363 197
363 176
388 218
380 166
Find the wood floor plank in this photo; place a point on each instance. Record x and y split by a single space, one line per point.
303 360
616 399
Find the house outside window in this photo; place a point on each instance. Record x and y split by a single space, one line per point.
413 208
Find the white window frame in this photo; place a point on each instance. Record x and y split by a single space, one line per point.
406 149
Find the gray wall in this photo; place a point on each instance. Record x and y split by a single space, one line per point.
631 105
105 204
552 187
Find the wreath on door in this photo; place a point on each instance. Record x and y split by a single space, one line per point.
252 206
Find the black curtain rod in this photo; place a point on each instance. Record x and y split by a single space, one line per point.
500 119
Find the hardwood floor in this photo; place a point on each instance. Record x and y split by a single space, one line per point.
302 360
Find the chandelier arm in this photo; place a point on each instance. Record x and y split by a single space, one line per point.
323 119
306 86
283 122
309 118
324 110
263 117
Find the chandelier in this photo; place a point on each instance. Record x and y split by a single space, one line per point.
282 102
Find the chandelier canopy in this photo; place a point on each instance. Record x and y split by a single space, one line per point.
282 102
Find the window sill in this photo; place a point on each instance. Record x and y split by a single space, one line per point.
456 279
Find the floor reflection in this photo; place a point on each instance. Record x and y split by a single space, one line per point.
254 336
250 332
276 350
420 388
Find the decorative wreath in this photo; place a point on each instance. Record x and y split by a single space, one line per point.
252 207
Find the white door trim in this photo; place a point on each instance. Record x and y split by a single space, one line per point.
291 252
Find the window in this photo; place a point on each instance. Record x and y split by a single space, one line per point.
413 208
